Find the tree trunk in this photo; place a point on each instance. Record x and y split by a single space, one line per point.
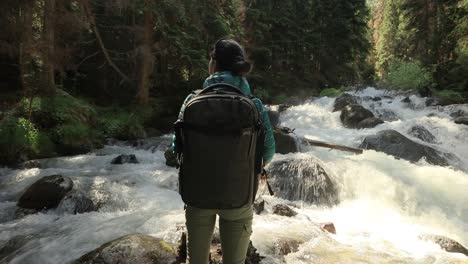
25 48
146 57
48 87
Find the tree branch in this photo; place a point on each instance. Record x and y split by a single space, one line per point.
92 21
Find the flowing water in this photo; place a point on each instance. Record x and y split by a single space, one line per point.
386 204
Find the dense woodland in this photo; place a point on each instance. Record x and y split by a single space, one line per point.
75 72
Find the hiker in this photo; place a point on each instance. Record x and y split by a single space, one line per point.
223 140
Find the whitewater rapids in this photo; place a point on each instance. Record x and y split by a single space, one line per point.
386 204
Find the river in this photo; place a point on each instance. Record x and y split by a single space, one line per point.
386 204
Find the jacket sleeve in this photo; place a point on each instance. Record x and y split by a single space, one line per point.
269 145
173 146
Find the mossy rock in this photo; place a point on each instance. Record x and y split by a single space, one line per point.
131 249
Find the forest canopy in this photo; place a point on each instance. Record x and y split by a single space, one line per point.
132 62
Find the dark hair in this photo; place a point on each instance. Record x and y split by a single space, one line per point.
230 56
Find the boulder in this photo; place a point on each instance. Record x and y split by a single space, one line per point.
369 122
283 107
422 133
259 206
283 210
458 113
302 179
282 247
46 193
171 158
274 117
395 144
329 227
131 249
387 115
76 202
343 100
462 120
353 115
446 244
285 141
122 159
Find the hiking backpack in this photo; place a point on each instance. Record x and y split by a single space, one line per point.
219 137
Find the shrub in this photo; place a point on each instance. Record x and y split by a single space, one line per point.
48 112
18 140
408 76
451 97
121 125
75 138
331 92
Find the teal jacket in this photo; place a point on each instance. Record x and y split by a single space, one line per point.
243 85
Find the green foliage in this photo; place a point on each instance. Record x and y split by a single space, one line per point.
408 76
121 124
452 97
48 112
19 138
75 138
331 92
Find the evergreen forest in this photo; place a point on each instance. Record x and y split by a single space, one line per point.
75 72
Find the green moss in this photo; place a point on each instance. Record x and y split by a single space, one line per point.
331 92
166 246
75 138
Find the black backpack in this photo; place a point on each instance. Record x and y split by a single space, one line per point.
220 137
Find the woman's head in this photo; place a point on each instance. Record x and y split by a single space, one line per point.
228 55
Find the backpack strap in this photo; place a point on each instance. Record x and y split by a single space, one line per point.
224 86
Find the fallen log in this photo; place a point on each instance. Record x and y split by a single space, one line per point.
332 146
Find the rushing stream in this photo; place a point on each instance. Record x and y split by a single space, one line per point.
386 204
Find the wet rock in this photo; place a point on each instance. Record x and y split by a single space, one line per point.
432 101
171 158
282 247
343 100
447 244
274 117
122 159
283 107
9 249
407 100
394 143
370 122
46 193
30 164
462 120
182 249
216 255
376 99
283 210
458 113
387 115
329 227
423 134
131 249
302 179
259 206
76 202
352 115
285 141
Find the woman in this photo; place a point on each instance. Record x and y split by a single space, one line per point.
227 65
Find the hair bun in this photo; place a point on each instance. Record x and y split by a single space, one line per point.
241 67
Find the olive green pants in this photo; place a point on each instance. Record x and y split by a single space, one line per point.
235 228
